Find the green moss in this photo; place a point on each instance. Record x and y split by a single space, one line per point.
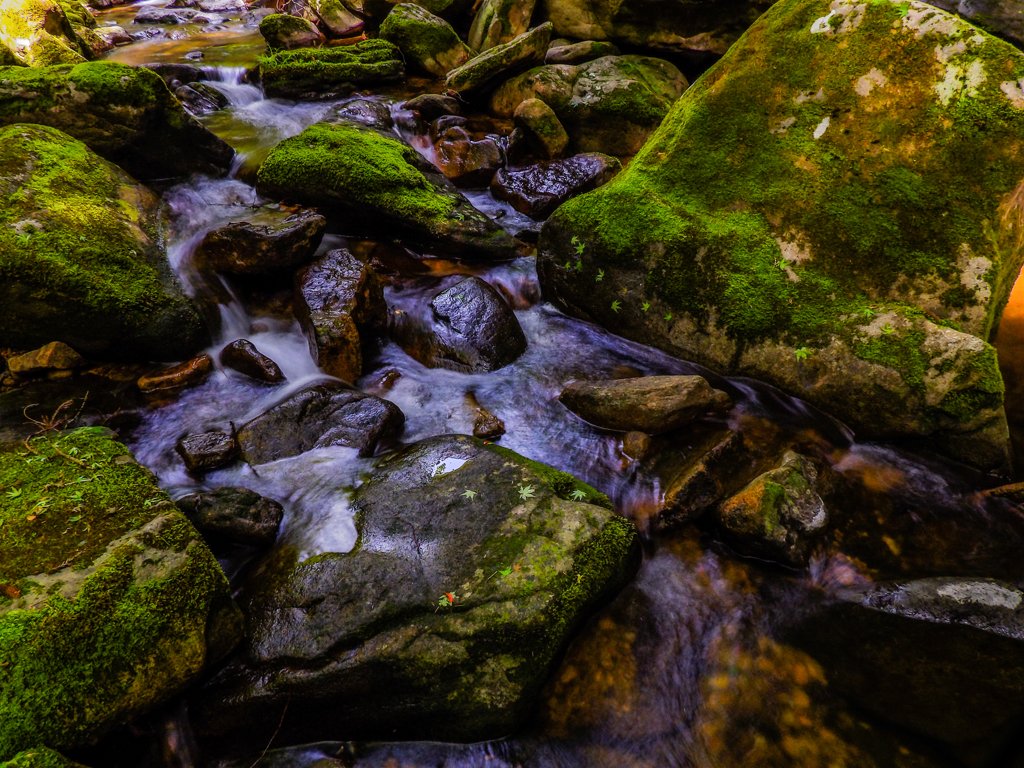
419 33
277 26
40 757
313 71
77 13
562 483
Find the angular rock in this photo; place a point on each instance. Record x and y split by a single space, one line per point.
466 162
501 61
286 33
487 426
444 123
55 356
186 374
120 112
428 42
370 181
336 298
779 516
138 600
242 356
175 75
358 642
650 404
544 133
233 515
80 260
38 33
498 22
269 240
538 190
335 19
372 114
207 451
113 35
1002 18
318 417
636 445
200 98
579 53
155 15
330 73
433 105
743 277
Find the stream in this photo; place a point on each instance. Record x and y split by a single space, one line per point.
689 666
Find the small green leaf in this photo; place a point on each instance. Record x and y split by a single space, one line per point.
469 494
14 493
579 265
645 306
577 495
575 240
668 317
801 354
888 329
579 249
526 492
600 275
616 306
568 265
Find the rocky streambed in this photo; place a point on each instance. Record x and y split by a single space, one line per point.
516 384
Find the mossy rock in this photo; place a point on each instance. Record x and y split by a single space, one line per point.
484 70
80 258
526 551
428 42
369 181
498 22
124 114
284 32
110 603
38 33
1003 18
847 227
330 72
40 757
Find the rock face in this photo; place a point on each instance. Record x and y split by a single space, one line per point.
773 237
498 22
335 18
1000 17
337 299
286 33
501 61
96 635
38 33
317 417
268 240
704 26
330 73
367 645
79 255
374 182
609 105
428 41
120 112
233 515
538 190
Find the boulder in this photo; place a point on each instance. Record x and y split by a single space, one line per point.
207 451
470 328
433 105
704 27
110 603
609 105
83 27
428 42
267 240
38 33
650 404
55 356
317 417
112 35
1000 17
498 22
200 98
241 355
186 374
580 53
869 292
169 15
466 162
538 190
473 568
286 33
337 298
120 112
544 133
232 515
80 259
373 182
335 19
501 61
372 114
330 73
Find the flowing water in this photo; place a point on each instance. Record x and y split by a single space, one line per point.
685 668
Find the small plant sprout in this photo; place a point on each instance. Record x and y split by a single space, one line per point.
577 495
447 600
579 265
578 245
526 492
600 275
668 317
469 494
802 353
575 240
645 306
568 265
13 493
888 329
869 312
616 306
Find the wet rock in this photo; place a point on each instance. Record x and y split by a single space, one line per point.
940 656
232 515
487 426
242 356
651 404
317 417
336 19
904 323
428 42
707 28
113 35
200 98
80 260
186 374
269 240
443 124
154 15
330 73
373 114
55 356
544 133
207 451
468 163
120 112
38 33
527 555
538 190
433 105
373 182
498 22
336 299
580 53
1002 18
470 329
779 516
286 33
501 61
175 75
637 445
139 588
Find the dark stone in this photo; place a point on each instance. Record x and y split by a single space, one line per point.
153 15
185 374
233 515
370 113
443 123
580 53
183 74
539 189
242 356
210 450
468 163
267 241
433 105
317 417
200 98
487 425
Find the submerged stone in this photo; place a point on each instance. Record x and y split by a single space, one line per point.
207 451
329 73
241 355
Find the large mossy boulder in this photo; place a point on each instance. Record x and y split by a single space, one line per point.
80 256
372 182
847 226
428 41
285 33
1004 18
38 33
124 114
329 73
110 602
367 644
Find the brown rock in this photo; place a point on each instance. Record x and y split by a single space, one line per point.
538 190
242 356
210 450
466 162
181 375
269 240
488 426
55 356
636 445
544 133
